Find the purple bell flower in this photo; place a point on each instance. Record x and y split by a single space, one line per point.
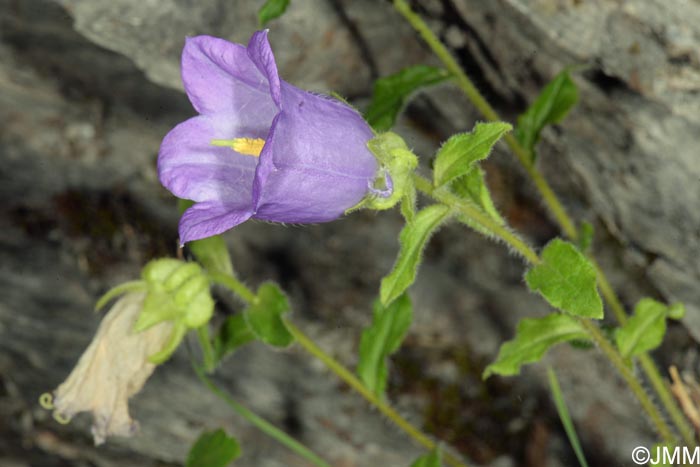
260 148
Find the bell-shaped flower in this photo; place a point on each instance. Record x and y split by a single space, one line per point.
113 368
260 147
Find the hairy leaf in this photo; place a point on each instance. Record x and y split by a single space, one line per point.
213 449
233 333
389 327
412 239
567 280
551 106
533 337
473 187
265 316
458 155
645 330
270 10
391 92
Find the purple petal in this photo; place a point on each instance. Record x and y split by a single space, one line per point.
191 168
260 53
315 164
221 77
208 219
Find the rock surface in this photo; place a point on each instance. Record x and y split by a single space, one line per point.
87 90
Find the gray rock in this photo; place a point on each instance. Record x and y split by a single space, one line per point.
88 89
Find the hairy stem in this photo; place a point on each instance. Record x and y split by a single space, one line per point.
343 373
234 285
352 381
499 231
552 202
667 400
628 375
531 256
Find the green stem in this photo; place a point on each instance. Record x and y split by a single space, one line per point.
648 366
233 284
450 199
207 349
667 400
352 381
618 362
551 201
262 424
247 295
467 86
519 245
614 304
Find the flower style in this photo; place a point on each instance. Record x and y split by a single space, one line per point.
260 147
113 368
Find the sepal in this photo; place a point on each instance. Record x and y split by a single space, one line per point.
394 180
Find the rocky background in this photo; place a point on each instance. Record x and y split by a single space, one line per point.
87 90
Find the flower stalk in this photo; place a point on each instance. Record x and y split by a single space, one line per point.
552 202
343 373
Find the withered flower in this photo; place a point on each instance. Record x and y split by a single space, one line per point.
113 368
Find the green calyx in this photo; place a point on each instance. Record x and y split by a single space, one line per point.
176 291
394 181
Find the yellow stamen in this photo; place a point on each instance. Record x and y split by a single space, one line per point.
246 146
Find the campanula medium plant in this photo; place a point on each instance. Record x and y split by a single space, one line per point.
261 148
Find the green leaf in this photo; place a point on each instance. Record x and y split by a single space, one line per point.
459 153
412 240
551 106
676 311
432 459
270 10
473 188
389 327
565 417
213 449
265 316
645 330
233 333
391 92
213 254
567 280
533 337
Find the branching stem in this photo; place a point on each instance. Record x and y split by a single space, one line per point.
455 202
552 202
343 373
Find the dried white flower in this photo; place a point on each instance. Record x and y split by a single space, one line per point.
113 368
